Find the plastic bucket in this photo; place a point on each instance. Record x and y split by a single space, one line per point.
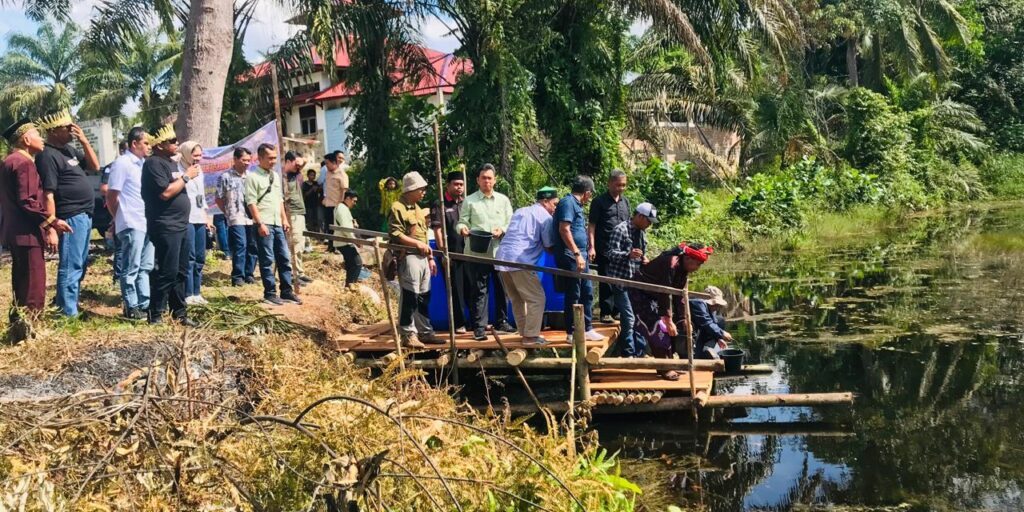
733 358
479 241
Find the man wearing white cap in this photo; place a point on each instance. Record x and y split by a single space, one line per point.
407 225
625 252
709 332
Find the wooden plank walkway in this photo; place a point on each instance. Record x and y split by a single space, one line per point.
649 380
377 338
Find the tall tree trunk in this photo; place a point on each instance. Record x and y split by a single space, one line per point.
209 43
851 61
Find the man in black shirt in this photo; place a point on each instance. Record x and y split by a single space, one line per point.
607 211
69 197
167 209
454 194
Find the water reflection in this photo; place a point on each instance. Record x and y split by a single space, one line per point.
925 322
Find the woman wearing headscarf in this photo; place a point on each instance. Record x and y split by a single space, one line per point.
200 225
389 193
671 268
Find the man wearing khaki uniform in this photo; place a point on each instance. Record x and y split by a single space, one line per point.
407 225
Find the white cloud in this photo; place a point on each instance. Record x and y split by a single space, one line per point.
267 30
437 34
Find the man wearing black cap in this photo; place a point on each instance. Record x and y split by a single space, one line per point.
69 196
167 209
27 226
454 193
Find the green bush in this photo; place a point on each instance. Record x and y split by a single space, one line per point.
769 203
1003 175
667 187
877 135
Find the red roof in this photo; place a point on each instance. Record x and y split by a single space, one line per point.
446 70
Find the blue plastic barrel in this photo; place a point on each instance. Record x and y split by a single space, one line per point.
438 306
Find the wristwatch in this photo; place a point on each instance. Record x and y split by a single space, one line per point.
577 253
184 178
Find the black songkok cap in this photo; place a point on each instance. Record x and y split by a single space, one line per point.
16 130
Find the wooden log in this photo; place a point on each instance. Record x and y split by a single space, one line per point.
516 357
443 359
657 397
594 354
347 356
564 363
701 398
774 400
446 262
579 342
475 355
642 363
386 292
387 359
618 399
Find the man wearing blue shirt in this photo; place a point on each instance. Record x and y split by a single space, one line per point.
529 233
571 248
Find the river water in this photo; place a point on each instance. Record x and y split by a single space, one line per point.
923 320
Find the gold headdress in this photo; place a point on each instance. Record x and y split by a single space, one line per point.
55 120
164 134
16 130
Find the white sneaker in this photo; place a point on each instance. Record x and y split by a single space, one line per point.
593 335
198 299
190 300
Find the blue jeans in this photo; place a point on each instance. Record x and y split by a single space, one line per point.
196 239
135 255
577 291
630 344
74 251
221 223
273 250
243 252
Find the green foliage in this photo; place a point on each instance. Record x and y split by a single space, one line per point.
877 136
769 203
666 186
37 73
1003 175
602 467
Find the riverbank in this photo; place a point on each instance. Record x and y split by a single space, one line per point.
254 411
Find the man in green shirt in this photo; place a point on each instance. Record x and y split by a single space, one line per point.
343 218
295 205
407 225
265 202
487 211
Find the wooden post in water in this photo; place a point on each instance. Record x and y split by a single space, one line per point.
688 328
296 284
579 347
446 261
387 302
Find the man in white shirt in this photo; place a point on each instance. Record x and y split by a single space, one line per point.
124 200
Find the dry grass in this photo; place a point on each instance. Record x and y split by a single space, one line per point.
249 412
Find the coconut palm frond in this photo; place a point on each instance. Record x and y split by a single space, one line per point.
673 22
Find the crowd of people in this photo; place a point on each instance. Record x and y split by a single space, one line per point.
161 224
611 237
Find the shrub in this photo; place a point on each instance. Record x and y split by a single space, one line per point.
1003 175
877 135
667 187
769 203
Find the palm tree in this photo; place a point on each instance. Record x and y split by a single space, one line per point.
146 71
37 74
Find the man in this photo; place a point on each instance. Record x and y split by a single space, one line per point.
312 194
28 228
407 225
487 211
265 202
335 185
455 189
343 218
626 252
167 209
608 210
709 334
572 253
529 233
69 196
296 208
230 199
103 219
124 201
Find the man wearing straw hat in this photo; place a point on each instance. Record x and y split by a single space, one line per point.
28 228
167 212
69 196
407 225
709 334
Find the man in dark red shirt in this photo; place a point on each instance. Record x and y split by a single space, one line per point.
27 227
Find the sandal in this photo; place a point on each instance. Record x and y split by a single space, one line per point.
669 375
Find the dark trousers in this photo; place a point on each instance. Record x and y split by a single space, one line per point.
273 251
477 277
243 252
413 303
167 281
28 277
326 219
353 264
221 223
577 291
459 293
605 294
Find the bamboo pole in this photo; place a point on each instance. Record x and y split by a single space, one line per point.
446 261
615 405
387 302
519 373
688 327
653 288
564 363
296 284
579 343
